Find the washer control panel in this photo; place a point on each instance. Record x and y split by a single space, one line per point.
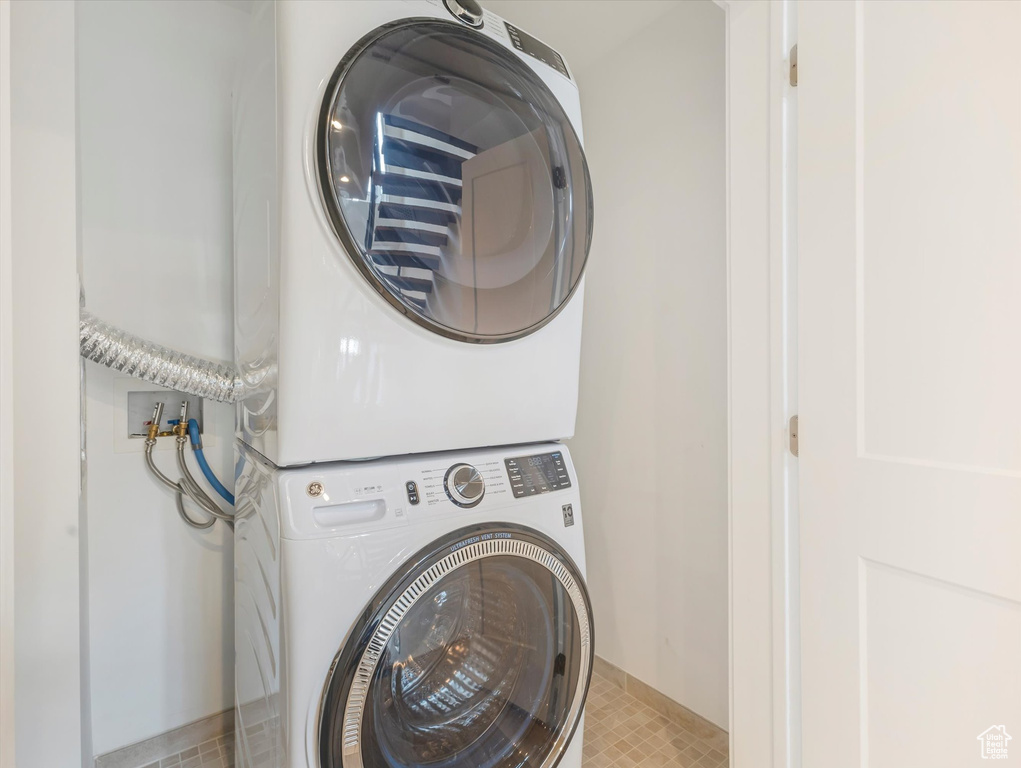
539 473
461 483
323 500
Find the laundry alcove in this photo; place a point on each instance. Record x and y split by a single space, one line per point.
153 167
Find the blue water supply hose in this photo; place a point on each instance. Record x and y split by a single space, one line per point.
196 443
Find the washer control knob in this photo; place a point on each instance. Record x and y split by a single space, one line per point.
464 485
467 11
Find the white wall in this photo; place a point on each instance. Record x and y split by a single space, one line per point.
154 118
652 424
44 376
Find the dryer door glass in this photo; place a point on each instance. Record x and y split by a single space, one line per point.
455 181
482 658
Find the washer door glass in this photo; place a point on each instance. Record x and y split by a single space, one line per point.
481 658
455 181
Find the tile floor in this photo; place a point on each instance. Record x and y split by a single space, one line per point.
215 753
622 732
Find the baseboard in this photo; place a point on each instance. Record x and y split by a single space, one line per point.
170 743
694 723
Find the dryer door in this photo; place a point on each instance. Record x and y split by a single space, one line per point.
480 654
455 181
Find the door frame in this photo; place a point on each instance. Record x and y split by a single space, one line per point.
763 653
41 690
761 270
6 409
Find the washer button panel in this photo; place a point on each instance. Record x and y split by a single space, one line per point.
541 473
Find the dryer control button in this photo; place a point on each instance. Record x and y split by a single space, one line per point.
412 490
464 485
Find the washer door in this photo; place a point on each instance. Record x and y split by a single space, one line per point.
480 655
455 181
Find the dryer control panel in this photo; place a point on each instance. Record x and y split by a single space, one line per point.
538 473
537 49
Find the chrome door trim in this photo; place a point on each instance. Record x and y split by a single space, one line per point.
356 661
331 205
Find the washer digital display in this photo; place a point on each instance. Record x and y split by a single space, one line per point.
539 473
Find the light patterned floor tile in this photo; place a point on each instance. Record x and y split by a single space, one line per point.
622 732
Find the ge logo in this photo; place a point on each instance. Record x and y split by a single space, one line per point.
314 490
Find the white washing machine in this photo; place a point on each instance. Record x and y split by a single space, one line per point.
413 214
411 612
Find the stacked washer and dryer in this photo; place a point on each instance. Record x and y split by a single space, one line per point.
413 214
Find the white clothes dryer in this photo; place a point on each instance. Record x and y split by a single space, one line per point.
412 612
413 214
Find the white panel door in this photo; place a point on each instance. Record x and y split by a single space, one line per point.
909 173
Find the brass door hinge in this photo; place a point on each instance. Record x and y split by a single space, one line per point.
794 66
793 430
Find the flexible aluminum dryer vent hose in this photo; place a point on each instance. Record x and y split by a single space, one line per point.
123 352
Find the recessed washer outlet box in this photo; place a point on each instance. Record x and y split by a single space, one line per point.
141 405
134 401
